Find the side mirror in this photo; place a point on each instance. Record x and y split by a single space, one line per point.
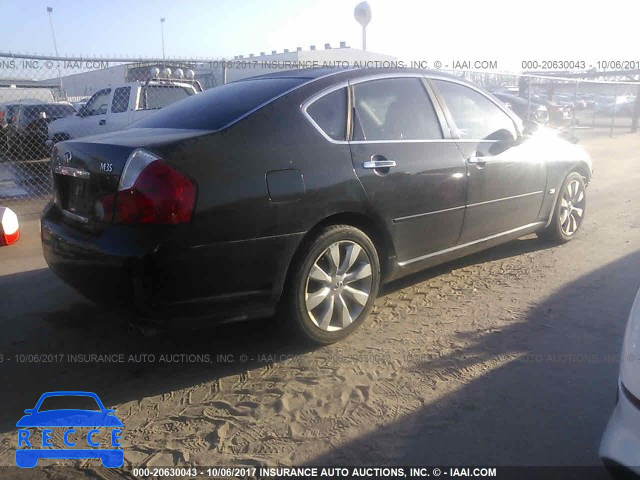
82 112
29 411
109 411
503 140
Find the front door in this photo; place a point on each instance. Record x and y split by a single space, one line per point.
94 118
414 177
506 180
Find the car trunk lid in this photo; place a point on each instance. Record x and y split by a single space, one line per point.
87 171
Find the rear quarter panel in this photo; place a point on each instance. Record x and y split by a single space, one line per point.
236 225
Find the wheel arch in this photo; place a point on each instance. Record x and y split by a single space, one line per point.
583 169
371 226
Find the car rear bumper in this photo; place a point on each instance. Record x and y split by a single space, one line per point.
620 443
148 270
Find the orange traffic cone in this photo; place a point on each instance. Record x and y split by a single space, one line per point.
9 228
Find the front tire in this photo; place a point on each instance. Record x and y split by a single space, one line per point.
569 210
333 284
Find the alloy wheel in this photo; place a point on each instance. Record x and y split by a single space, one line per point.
572 207
338 285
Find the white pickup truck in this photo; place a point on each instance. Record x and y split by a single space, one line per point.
115 107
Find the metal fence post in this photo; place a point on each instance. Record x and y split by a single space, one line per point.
529 99
575 109
636 111
613 114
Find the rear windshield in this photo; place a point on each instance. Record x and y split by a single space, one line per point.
158 96
215 108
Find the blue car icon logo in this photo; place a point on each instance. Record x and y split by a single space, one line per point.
67 422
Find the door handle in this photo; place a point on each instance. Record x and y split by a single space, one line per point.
102 122
375 164
478 160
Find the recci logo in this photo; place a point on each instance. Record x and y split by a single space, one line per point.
91 425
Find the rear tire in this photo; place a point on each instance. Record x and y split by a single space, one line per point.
332 285
569 211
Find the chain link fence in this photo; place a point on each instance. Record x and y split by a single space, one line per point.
46 99
580 107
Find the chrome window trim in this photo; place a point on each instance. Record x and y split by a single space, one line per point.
504 198
468 244
381 76
417 215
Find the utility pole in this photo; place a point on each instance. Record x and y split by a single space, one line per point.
162 35
55 46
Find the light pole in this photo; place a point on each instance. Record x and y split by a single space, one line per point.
55 45
162 35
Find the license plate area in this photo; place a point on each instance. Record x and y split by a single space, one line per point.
74 197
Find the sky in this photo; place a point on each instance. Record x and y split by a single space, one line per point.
506 31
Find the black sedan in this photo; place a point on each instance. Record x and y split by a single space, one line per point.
301 192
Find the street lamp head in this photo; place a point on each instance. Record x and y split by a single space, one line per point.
162 20
49 9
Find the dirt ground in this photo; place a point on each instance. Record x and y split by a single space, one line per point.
508 357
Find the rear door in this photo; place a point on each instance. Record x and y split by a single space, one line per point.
414 175
506 180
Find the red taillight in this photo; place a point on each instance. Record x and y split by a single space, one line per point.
150 192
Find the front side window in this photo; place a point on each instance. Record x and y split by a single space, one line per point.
330 114
121 100
475 116
394 109
97 105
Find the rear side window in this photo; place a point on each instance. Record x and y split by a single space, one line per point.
394 109
159 96
120 99
219 106
330 114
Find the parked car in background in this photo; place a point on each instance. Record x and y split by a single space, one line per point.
567 99
622 109
620 445
560 114
26 133
535 112
115 107
302 191
78 105
7 112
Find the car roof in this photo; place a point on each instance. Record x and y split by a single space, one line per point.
351 72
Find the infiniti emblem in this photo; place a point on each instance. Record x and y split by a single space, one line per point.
67 157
